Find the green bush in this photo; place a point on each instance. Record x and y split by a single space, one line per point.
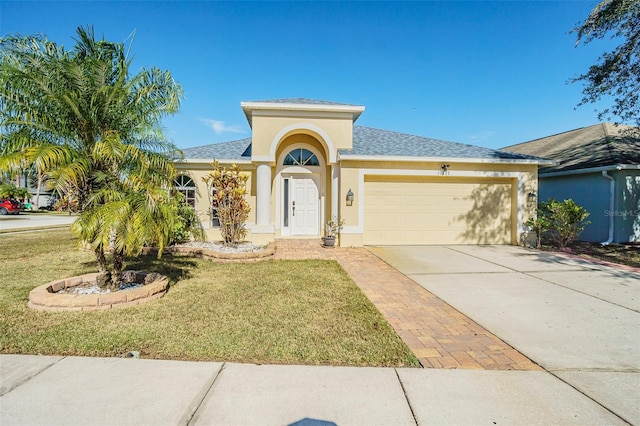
187 226
9 190
228 199
561 222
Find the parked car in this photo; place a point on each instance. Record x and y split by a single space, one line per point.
8 206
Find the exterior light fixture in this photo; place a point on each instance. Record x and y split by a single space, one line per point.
532 197
444 169
350 198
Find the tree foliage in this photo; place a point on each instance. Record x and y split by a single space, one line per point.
617 73
228 199
562 222
81 118
9 190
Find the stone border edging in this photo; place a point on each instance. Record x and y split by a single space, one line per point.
218 256
45 298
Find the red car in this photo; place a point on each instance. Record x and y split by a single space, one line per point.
8 206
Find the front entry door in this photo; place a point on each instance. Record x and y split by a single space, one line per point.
304 206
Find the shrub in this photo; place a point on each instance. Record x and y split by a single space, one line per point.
9 190
562 222
228 199
187 226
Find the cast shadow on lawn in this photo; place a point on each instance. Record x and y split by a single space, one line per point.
176 268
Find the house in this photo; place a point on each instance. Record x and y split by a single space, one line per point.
599 168
309 162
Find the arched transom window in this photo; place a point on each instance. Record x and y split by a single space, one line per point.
185 185
301 157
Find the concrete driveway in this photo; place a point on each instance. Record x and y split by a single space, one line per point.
578 320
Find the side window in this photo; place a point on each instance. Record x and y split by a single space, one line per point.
215 219
184 184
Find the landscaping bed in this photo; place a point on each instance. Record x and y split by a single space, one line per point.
623 254
293 312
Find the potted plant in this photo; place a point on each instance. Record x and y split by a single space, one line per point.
332 229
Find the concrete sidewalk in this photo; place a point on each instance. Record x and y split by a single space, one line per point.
43 390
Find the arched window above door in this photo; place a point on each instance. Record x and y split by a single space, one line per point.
301 157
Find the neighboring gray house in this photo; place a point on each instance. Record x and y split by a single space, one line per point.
599 168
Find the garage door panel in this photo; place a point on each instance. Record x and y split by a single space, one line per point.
437 212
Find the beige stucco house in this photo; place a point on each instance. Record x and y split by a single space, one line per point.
309 162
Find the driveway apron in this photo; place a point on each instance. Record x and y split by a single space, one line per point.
578 319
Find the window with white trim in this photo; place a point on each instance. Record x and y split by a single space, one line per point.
185 185
300 157
215 219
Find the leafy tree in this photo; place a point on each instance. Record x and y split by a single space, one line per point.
618 72
9 190
561 221
126 219
82 119
228 199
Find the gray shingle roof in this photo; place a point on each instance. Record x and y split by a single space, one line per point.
372 142
599 145
233 150
302 101
368 141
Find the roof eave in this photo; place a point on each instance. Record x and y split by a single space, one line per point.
210 160
612 167
414 159
249 107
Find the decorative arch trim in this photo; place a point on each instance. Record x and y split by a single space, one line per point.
323 138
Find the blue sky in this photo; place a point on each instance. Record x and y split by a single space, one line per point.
484 73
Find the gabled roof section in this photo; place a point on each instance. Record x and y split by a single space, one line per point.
299 105
600 145
372 144
369 143
234 150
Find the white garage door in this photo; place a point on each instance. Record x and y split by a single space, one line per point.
400 210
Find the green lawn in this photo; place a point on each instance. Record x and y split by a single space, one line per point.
293 312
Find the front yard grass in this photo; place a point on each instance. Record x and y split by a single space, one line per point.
277 312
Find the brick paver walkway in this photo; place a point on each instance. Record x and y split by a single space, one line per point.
439 335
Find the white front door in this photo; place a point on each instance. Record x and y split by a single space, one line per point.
304 206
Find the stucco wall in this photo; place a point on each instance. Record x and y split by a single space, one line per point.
197 172
266 129
592 191
627 213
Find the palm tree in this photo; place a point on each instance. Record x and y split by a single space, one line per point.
81 118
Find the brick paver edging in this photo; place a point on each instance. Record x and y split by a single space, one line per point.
46 298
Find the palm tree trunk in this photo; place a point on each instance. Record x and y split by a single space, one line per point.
118 266
103 280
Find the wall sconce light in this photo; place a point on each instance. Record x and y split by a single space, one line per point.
532 197
350 198
445 169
